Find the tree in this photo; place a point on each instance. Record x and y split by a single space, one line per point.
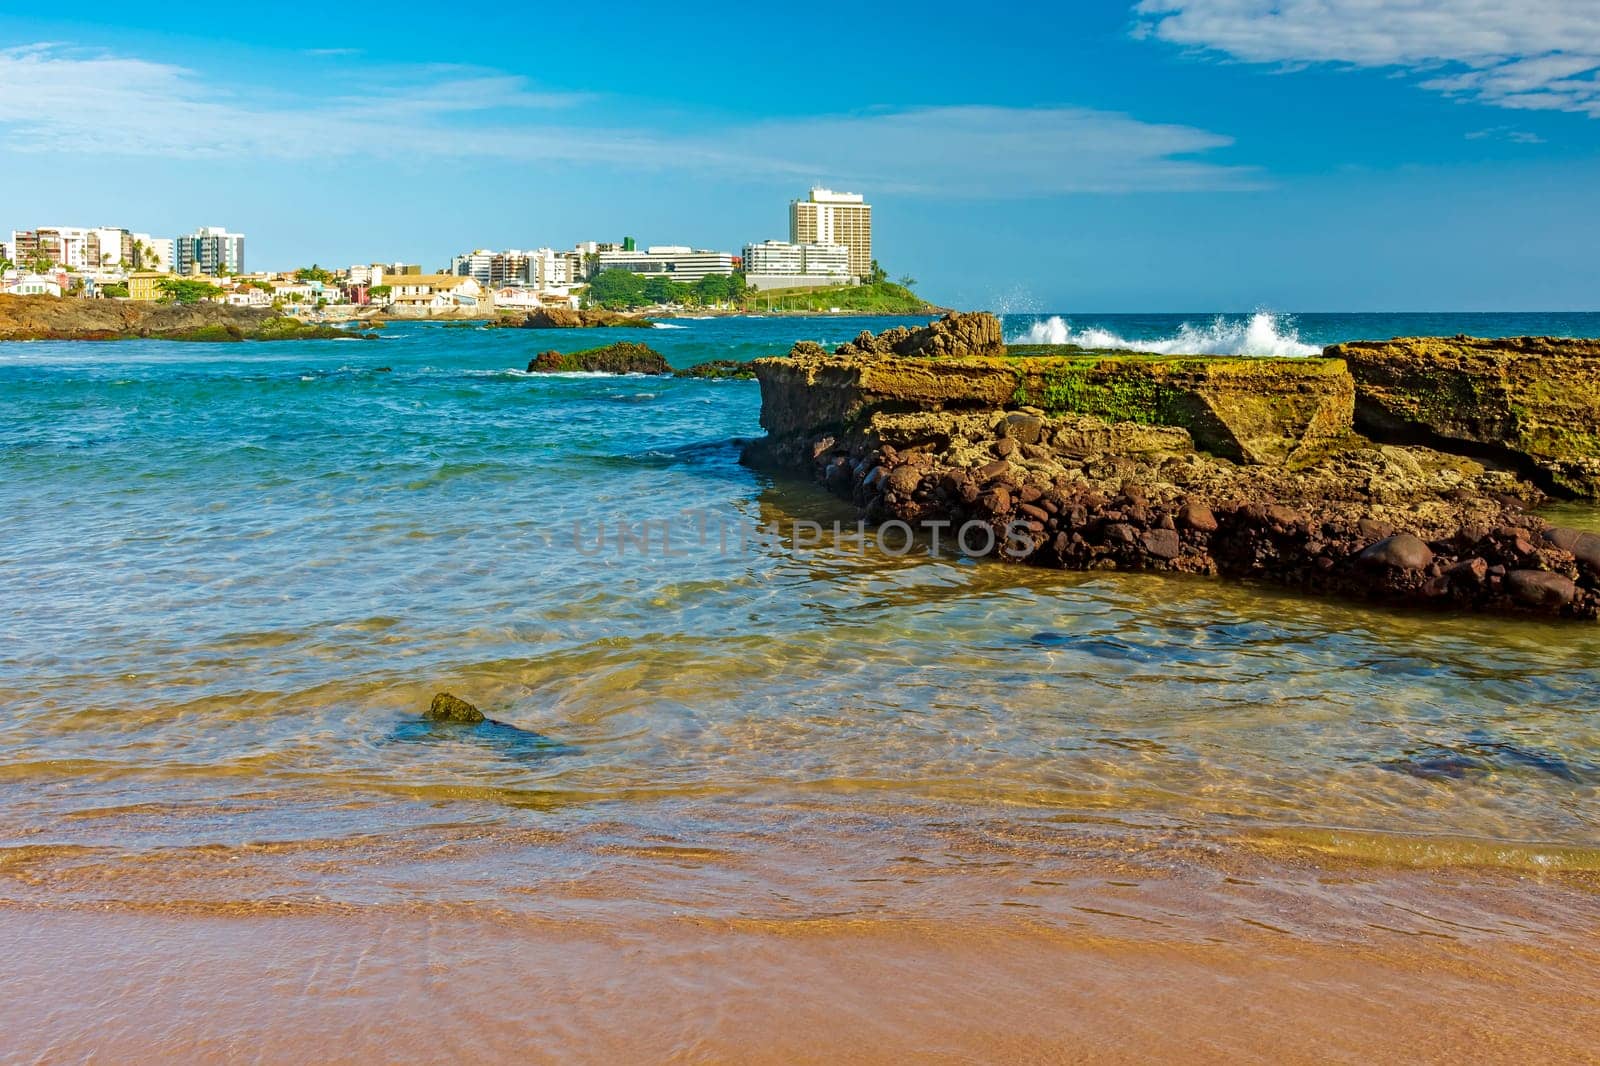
615 290
5 264
116 288
878 275
313 273
41 264
185 290
907 281
659 290
380 290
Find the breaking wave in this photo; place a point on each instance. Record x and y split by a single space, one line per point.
1263 334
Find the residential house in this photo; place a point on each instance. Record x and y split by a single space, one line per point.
33 285
434 292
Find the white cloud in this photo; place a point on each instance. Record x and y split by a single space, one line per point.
60 101
1524 54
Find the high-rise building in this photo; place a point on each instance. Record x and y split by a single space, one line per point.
828 217
209 250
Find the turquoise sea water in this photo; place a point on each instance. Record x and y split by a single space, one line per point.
234 574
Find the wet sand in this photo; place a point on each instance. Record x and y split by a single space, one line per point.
803 941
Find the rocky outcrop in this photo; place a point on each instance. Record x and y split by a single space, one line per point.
570 318
56 318
625 357
1532 400
975 333
719 370
1211 466
1250 410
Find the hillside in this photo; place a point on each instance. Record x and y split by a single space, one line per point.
24 318
882 298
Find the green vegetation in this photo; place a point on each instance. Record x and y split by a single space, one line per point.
620 290
874 298
380 290
313 273
624 357
116 288
185 290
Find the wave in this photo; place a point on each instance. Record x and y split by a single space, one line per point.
1263 334
668 325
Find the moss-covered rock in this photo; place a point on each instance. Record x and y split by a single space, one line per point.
448 708
1535 399
624 357
1251 410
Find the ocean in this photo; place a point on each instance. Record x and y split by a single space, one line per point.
234 575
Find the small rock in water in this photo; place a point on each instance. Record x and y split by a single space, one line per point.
448 708
1403 551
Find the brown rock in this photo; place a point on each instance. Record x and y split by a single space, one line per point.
1540 588
1198 517
1584 547
1161 543
1403 551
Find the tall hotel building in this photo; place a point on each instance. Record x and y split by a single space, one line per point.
828 217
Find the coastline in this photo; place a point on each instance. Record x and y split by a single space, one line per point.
945 941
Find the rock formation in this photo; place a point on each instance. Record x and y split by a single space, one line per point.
570 318
624 357
1242 467
719 370
1533 400
57 318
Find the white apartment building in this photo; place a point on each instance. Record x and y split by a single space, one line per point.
784 265
828 217
677 262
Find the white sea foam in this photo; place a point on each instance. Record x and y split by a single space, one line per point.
668 325
1263 334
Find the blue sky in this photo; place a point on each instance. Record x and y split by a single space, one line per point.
1183 155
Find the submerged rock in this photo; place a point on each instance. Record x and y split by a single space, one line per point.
448 708
624 357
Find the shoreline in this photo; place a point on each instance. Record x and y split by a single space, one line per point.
1045 938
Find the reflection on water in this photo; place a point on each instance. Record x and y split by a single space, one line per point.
234 584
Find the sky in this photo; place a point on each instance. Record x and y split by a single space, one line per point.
1091 156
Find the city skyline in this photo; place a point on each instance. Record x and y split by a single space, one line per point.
1119 156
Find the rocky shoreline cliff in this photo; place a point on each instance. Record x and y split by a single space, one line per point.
1403 472
33 318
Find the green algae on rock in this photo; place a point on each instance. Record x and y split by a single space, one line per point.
1536 400
624 357
448 708
1249 410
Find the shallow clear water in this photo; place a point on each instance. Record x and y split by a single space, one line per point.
234 575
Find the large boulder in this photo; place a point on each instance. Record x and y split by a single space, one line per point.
1534 401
